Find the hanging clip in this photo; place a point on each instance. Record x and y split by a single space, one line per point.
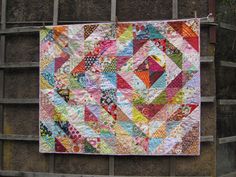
208 18
116 22
195 14
44 27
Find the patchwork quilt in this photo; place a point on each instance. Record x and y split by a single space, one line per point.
131 88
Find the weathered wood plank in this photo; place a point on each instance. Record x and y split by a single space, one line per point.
207 59
172 166
16 137
227 101
28 29
228 64
231 174
111 166
229 139
18 101
209 138
207 99
212 29
227 26
52 163
40 174
19 65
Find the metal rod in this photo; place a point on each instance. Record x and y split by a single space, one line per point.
204 99
29 29
16 137
204 20
209 17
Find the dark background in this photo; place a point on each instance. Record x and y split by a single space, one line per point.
216 81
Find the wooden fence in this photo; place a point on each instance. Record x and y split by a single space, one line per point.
20 23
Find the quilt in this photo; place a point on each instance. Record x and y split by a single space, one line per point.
131 88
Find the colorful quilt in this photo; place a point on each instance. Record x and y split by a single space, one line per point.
130 88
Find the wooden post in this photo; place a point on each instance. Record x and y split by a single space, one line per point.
212 29
174 9
2 60
55 22
174 16
55 12
113 10
111 158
